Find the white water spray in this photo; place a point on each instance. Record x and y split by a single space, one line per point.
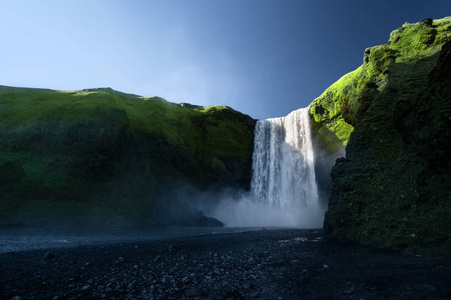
283 162
283 188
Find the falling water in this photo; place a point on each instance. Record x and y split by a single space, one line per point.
284 191
283 162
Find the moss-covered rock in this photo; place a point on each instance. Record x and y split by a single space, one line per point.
340 108
111 153
393 187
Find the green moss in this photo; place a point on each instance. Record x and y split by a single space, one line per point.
392 189
226 132
178 123
41 172
113 154
344 103
418 40
193 141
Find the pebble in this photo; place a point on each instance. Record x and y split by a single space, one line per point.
257 271
254 295
85 288
193 292
49 256
349 291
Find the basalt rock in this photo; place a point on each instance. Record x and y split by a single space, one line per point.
393 187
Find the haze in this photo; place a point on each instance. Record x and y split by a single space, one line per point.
263 58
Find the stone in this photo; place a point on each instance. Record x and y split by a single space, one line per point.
300 239
425 289
185 279
85 288
193 292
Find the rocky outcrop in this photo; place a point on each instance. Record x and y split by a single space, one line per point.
341 107
102 154
394 116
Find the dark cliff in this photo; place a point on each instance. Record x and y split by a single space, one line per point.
393 188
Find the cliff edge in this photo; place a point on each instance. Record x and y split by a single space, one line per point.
393 114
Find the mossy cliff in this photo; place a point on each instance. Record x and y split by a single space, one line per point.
112 155
393 114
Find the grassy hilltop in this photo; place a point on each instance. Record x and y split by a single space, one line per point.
393 114
110 152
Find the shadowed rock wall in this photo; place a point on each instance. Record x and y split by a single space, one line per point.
394 116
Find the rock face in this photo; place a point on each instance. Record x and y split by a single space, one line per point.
101 154
393 188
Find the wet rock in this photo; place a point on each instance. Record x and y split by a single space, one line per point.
300 239
85 288
185 279
283 241
174 248
425 289
193 292
49 256
216 267
198 219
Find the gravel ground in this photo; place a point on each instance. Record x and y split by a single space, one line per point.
263 264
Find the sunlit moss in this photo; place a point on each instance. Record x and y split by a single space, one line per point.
392 189
113 154
351 95
178 123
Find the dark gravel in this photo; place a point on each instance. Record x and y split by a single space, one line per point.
264 264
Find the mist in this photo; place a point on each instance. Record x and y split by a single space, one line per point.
290 183
245 212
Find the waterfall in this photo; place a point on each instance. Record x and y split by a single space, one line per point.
283 162
284 190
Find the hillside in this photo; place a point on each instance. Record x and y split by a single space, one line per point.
393 114
104 157
110 156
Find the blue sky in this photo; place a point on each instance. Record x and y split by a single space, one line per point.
263 58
